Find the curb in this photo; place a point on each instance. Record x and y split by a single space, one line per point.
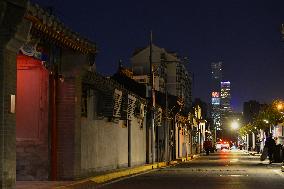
110 176
114 175
123 173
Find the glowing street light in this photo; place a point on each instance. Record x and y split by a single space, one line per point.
279 106
235 125
266 121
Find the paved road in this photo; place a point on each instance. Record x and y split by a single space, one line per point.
224 170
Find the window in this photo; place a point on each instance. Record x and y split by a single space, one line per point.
117 103
98 103
84 101
130 107
158 117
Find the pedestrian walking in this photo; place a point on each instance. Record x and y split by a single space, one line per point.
270 144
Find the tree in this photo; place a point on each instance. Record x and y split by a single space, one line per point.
247 129
269 116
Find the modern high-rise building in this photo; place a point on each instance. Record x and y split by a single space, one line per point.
170 72
226 97
225 106
217 75
216 68
215 110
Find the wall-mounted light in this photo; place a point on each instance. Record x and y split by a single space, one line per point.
12 104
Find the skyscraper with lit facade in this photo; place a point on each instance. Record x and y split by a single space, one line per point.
215 110
226 97
225 108
216 68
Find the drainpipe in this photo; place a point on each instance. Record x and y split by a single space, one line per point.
178 140
53 87
129 143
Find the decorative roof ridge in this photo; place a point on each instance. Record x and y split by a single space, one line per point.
50 25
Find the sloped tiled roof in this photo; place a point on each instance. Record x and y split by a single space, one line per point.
52 28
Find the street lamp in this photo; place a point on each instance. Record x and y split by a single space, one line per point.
279 106
235 125
265 121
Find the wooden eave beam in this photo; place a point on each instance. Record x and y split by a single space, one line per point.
60 37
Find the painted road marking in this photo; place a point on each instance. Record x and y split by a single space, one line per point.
233 175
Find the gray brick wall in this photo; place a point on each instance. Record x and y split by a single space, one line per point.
7 123
66 128
12 35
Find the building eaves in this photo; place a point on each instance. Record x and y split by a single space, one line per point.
51 27
105 84
130 84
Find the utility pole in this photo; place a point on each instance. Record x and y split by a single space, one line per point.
166 129
152 100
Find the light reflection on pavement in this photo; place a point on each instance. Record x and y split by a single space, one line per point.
224 170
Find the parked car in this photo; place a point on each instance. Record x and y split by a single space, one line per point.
218 145
225 145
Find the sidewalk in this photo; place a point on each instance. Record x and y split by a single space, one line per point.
254 153
100 178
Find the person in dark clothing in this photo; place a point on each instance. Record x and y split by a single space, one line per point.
207 146
270 144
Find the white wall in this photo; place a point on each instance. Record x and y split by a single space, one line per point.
138 143
104 144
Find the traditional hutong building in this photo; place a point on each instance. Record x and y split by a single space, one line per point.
41 67
172 123
59 119
113 125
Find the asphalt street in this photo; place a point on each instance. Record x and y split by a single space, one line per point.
222 170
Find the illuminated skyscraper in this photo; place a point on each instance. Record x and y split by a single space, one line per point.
225 108
226 97
215 112
216 68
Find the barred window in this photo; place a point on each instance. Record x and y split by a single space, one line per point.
158 117
84 101
117 96
130 107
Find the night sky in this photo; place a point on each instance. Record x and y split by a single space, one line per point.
243 34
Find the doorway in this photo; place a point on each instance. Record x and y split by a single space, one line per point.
32 141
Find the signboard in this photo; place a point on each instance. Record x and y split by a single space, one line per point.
215 95
216 101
